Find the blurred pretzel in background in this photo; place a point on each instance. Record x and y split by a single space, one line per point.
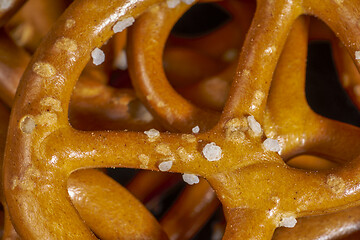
241 149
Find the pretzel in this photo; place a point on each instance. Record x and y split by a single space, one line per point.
298 114
79 187
91 199
348 73
64 129
318 147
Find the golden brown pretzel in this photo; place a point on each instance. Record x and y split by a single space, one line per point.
11 67
318 148
91 199
149 79
75 229
297 101
181 167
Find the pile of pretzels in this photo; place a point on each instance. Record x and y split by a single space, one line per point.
87 85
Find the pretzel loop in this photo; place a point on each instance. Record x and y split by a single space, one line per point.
43 111
42 149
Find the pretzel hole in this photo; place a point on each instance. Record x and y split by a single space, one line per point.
200 20
209 83
311 162
324 93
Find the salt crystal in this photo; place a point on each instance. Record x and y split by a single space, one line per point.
121 25
165 166
190 178
27 124
212 152
196 129
254 125
188 2
152 133
357 55
98 56
5 4
172 3
272 145
288 222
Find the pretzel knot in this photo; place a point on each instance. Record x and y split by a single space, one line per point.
240 152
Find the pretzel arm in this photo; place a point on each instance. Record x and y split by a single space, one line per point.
340 20
251 74
247 224
329 226
95 194
289 117
121 149
190 212
11 67
146 41
40 72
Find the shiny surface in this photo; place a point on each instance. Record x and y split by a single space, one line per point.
86 197
146 41
40 158
45 228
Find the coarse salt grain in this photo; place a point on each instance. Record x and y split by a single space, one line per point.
271 145
121 25
5 4
121 61
152 133
188 2
254 125
190 178
165 166
195 129
288 222
212 152
357 55
172 3
27 124
98 56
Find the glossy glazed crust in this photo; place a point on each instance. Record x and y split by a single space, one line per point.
43 149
